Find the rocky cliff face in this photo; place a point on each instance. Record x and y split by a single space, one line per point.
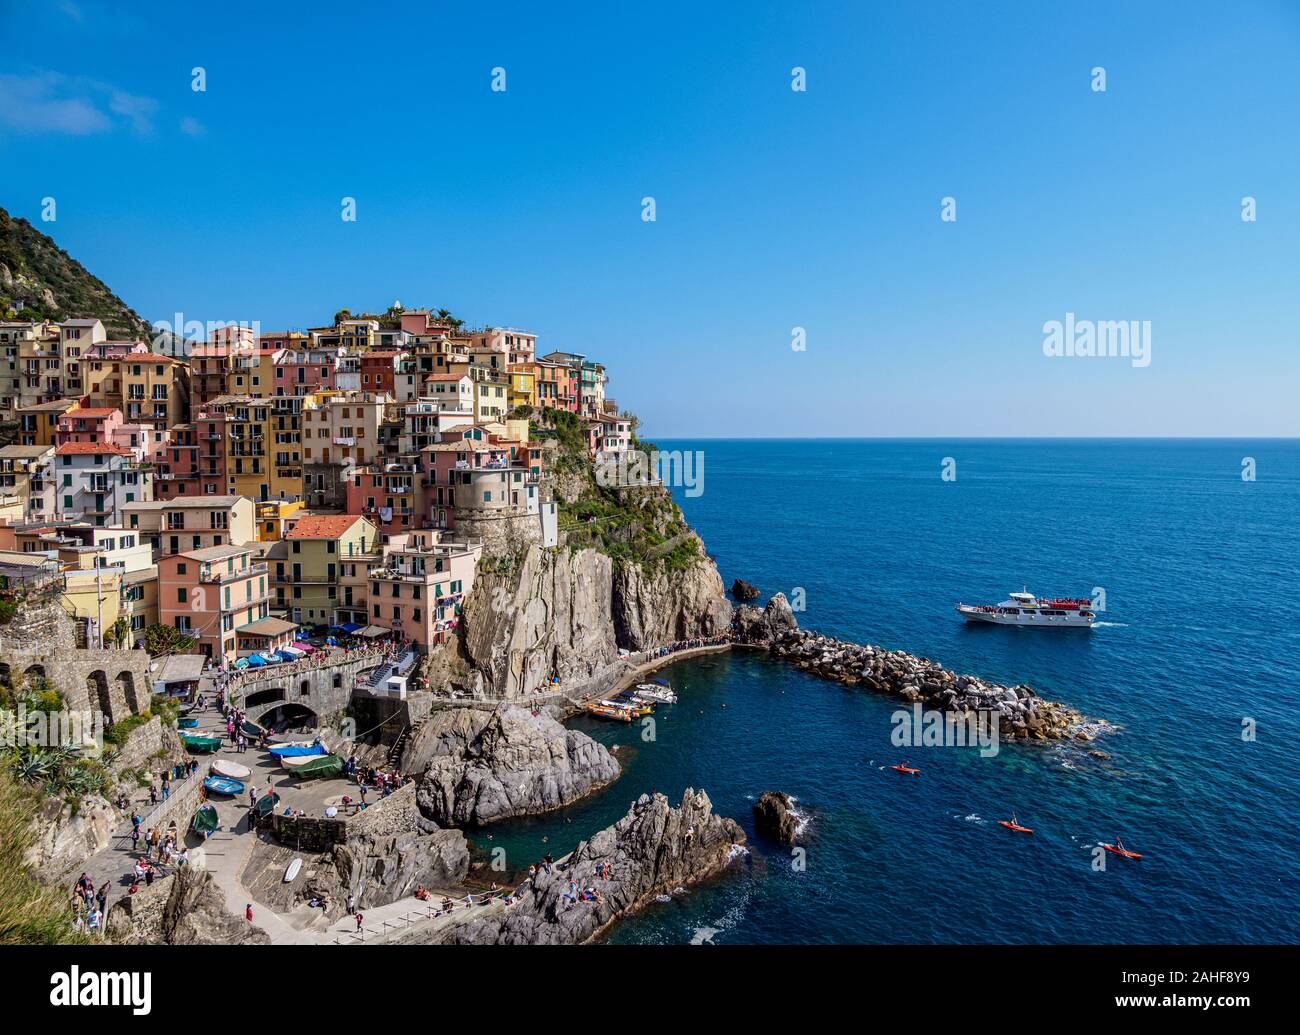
480 767
650 851
653 609
567 612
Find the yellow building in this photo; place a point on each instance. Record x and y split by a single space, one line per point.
252 372
316 548
523 385
92 597
192 522
276 517
263 446
140 601
146 387
38 422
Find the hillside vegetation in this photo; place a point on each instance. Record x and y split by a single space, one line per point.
39 280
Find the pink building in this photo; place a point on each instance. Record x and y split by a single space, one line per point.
220 596
85 424
304 371
419 588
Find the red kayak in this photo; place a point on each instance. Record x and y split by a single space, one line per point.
1012 824
904 769
1119 849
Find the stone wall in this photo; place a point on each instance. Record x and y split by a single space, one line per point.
307 834
326 689
40 643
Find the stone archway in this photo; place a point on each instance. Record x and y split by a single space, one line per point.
97 688
6 675
32 675
271 696
288 717
126 690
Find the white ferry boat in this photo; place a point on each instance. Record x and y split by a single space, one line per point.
1026 609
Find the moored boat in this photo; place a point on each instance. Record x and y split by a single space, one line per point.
266 804
200 744
297 749
205 820
223 785
186 724
230 770
318 768
1024 608
655 693
602 711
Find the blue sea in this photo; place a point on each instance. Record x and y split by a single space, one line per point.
1199 642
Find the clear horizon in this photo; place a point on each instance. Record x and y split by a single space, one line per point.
775 209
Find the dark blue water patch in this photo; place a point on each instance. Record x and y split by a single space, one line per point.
1201 572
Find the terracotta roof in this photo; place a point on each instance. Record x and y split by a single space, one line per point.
323 526
379 354
445 377
92 411
91 447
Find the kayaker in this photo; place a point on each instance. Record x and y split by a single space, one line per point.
248 912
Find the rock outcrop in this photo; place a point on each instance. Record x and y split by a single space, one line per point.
67 836
775 816
767 626
186 908
743 591
652 850
391 850
480 767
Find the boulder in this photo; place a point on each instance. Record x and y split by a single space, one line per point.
743 591
774 816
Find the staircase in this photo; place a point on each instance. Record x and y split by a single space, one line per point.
395 751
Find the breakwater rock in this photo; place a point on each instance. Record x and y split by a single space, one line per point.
480 767
652 850
1021 713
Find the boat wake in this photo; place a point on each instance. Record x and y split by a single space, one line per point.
974 817
1110 625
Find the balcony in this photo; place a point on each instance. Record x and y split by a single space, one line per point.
210 575
345 441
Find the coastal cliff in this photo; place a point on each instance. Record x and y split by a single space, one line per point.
565 612
652 850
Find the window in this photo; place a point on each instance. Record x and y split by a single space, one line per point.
182 595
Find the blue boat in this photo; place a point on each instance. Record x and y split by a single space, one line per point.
223 785
187 724
297 750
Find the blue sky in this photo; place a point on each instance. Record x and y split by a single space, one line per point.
775 209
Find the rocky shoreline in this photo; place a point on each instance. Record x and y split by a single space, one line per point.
653 850
1022 714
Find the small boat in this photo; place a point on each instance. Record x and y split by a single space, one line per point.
297 749
1014 824
603 712
634 707
657 694
905 769
251 729
294 761
291 871
205 820
223 785
266 804
319 768
200 744
186 724
1118 849
230 770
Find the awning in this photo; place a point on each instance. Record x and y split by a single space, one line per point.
373 631
349 627
267 627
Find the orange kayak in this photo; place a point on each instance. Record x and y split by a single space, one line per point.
1122 851
1015 826
904 769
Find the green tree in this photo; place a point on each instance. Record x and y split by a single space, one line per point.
164 639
